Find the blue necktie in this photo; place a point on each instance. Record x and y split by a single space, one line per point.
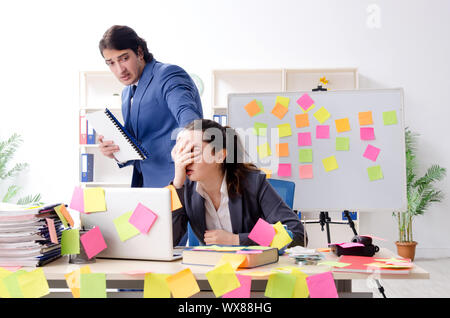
128 119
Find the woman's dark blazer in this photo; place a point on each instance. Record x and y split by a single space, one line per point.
258 200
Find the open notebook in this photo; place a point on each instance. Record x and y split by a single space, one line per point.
106 124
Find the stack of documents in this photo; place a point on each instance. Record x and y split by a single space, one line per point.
304 256
25 237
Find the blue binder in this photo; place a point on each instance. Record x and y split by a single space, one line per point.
87 167
90 134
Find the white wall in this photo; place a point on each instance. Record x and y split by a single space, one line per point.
43 45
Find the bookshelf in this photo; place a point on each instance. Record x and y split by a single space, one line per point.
97 90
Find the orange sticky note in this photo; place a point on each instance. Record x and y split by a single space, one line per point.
342 125
302 120
183 284
252 108
365 118
283 150
73 279
279 111
66 214
176 203
268 172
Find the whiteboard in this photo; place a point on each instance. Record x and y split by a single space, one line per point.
348 187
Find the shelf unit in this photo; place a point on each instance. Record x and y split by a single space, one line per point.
97 90
227 81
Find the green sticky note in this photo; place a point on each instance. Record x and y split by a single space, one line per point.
94 200
264 150
280 285
61 216
305 155
33 284
261 107
390 117
155 286
70 242
222 279
283 101
375 173
260 129
342 143
124 228
284 130
92 285
11 284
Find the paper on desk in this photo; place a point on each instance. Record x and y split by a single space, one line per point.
73 279
155 286
11 287
334 264
280 285
262 233
243 291
33 284
183 284
322 286
92 285
93 242
222 279
94 200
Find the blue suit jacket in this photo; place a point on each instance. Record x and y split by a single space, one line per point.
258 200
166 98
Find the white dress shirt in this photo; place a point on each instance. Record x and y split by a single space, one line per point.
217 219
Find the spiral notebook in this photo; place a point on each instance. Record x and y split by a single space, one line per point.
106 124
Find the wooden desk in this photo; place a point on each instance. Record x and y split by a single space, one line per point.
116 276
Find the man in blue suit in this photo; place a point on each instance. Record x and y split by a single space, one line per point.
158 99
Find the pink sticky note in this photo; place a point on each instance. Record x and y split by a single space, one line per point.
284 170
243 291
93 242
52 230
322 131
262 233
304 139
142 218
77 202
349 244
371 152
249 252
306 171
367 133
322 286
305 101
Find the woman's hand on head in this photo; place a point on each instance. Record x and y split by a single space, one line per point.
221 237
183 154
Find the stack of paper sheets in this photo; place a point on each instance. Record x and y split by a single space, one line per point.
25 237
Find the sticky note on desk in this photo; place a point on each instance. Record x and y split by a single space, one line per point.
243 291
280 285
124 228
155 286
222 279
73 280
94 200
262 233
33 284
92 285
77 202
70 242
183 284
176 203
143 218
93 242
322 286
301 288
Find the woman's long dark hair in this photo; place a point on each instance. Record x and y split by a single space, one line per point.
226 137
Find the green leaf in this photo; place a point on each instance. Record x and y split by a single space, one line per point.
10 193
30 199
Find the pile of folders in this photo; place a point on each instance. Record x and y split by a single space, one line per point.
25 237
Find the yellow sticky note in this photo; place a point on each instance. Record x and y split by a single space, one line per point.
322 115
281 238
183 284
235 260
155 286
342 125
283 101
330 163
222 279
301 288
284 130
94 200
33 284
256 273
268 172
73 280
176 203
264 150
3 290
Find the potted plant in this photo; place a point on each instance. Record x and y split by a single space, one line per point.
421 193
7 151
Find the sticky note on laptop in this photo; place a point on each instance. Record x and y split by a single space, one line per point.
124 229
143 218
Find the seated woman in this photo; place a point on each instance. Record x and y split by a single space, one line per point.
222 196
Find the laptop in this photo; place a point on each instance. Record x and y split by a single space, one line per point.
157 244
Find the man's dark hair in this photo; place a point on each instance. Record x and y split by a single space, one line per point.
122 37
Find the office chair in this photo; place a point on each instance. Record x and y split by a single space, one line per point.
285 189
